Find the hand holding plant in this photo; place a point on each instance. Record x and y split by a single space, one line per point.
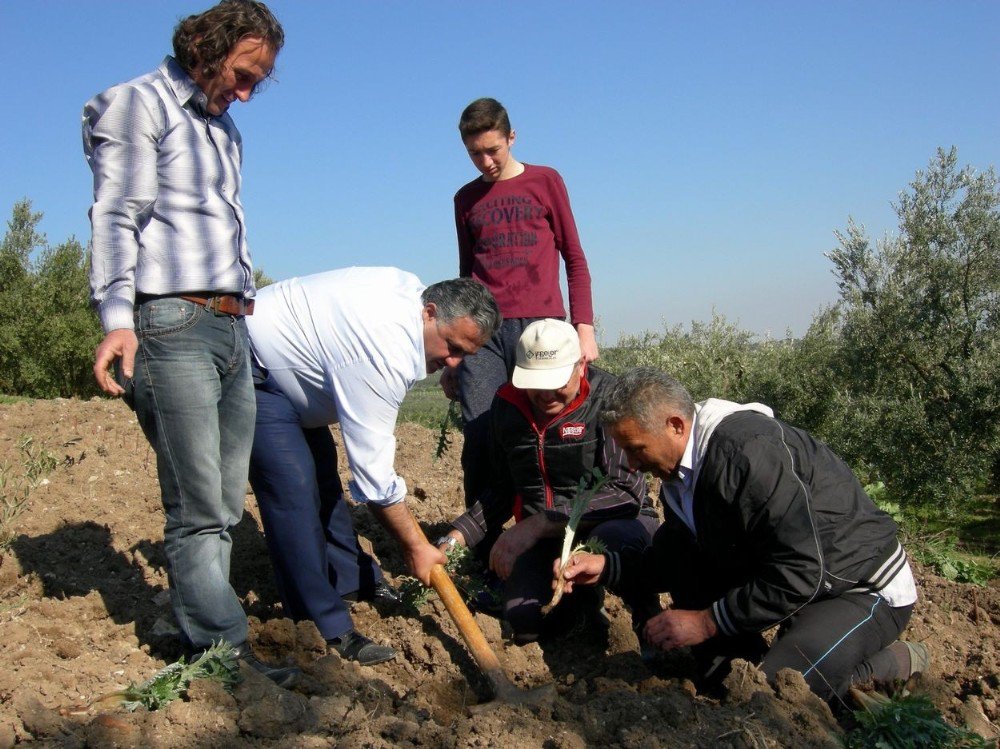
578 509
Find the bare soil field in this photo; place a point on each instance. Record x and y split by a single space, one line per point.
84 611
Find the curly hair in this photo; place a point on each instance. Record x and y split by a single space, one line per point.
203 41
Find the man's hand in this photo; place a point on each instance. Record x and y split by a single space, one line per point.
420 555
118 344
459 540
422 558
520 537
588 341
678 628
449 382
582 569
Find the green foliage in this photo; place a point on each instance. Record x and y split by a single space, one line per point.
712 359
216 664
906 722
452 420
465 572
425 404
37 460
592 545
36 463
718 360
940 552
13 501
921 338
260 278
48 332
936 550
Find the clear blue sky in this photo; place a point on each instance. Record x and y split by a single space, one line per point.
710 149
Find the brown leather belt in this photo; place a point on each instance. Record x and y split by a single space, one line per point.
221 304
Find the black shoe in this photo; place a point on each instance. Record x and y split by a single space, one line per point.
354 646
284 676
383 593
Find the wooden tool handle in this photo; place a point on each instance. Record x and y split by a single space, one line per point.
463 619
460 614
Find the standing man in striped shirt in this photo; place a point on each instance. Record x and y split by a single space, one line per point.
172 281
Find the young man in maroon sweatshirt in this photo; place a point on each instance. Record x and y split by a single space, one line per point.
514 223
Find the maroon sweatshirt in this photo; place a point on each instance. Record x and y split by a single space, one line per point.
510 236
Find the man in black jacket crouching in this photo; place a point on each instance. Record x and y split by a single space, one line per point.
764 526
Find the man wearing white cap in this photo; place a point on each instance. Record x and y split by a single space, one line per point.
546 436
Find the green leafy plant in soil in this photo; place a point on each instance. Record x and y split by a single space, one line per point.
13 501
905 722
465 572
36 463
37 460
216 664
941 550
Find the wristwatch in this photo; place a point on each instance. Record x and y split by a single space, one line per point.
450 541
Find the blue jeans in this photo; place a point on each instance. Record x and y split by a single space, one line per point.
194 400
307 523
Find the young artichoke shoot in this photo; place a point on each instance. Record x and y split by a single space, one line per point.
578 508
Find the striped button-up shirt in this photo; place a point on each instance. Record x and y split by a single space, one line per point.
167 217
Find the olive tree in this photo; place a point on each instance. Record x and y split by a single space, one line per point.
47 331
921 338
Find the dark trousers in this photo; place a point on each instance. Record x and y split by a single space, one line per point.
307 523
529 586
834 642
479 378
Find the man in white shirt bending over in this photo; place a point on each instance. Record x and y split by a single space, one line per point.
345 346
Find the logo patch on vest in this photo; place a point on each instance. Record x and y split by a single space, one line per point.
572 431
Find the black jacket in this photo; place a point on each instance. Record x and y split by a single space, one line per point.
537 467
781 521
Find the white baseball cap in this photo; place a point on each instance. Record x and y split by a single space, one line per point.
546 354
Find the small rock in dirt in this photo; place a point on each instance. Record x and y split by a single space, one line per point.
792 688
67 649
744 680
7 734
309 638
398 731
565 740
654 683
269 711
688 687
212 693
40 721
278 634
330 711
164 627
975 718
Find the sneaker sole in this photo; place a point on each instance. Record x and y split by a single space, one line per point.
920 657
